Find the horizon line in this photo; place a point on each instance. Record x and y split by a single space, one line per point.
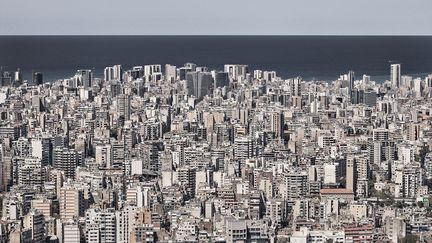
221 35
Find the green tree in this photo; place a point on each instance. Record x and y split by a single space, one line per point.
420 204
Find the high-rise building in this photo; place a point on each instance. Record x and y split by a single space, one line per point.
183 71
72 204
236 71
199 84
125 220
41 149
351 175
295 184
221 79
143 233
5 77
395 75
37 78
35 221
152 72
277 124
113 73
413 131
124 106
187 178
84 78
44 206
150 155
369 97
366 79
100 225
296 92
152 69
350 79
276 210
244 148
296 89
117 72
37 103
66 160
411 181
104 156
417 87
68 231
357 172
170 72
428 164
428 81
31 172
108 73
118 153
3 180
18 77
190 66
380 134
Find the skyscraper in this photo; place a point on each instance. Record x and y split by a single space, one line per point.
123 106
37 78
395 74
170 72
113 73
236 71
296 92
108 73
118 72
351 78
350 172
84 78
18 77
277 124
199 84
369 97
5 77
221 79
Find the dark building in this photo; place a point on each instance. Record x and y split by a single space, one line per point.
37 78
199 84
221 79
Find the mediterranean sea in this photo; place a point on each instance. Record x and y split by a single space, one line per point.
312 57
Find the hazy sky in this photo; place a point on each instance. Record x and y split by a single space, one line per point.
212 17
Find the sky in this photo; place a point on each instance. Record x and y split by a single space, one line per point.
215 17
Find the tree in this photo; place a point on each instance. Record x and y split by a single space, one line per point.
113 133
420 204
399 204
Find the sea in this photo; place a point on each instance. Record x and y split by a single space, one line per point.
311 57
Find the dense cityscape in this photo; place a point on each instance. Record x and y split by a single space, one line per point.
159 153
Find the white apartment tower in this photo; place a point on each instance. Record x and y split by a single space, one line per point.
101 225
395 74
